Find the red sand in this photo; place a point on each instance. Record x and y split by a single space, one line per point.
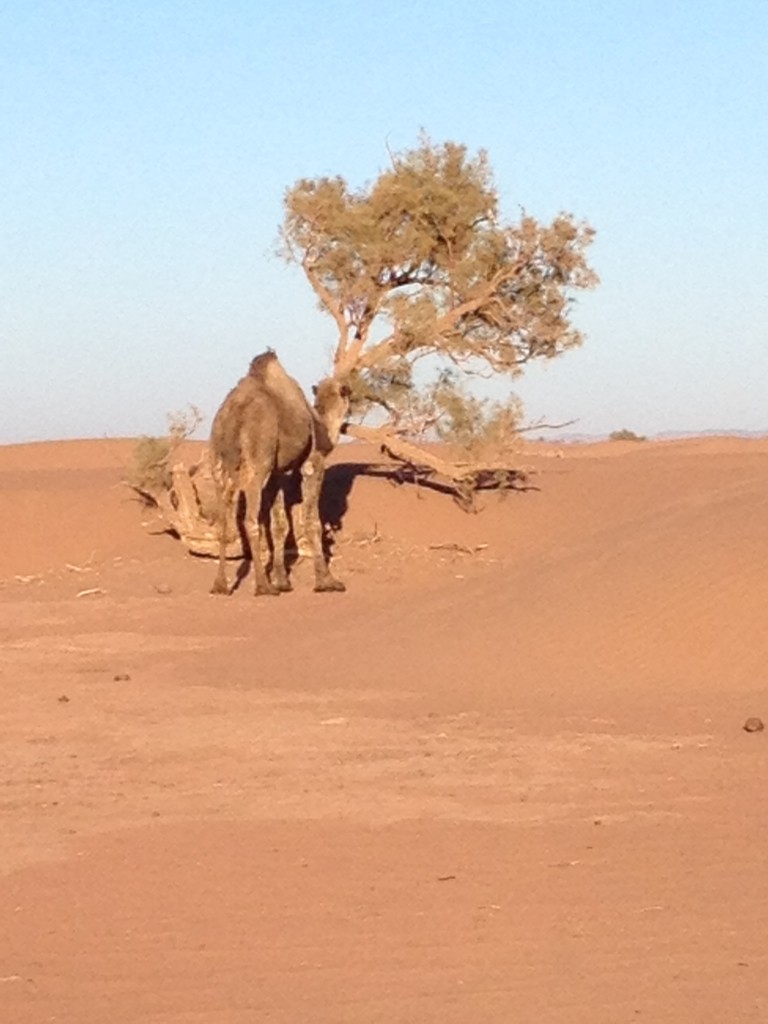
502 786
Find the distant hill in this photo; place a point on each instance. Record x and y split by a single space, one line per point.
665 435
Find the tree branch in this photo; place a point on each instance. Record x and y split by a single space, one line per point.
544 426
334 308
463 479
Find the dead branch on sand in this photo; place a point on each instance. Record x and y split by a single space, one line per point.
462 478
185 503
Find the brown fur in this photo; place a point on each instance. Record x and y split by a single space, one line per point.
264 434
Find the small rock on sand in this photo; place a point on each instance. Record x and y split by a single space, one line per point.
754 724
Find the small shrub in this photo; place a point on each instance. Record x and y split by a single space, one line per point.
626 435
483 429
447 411
150 473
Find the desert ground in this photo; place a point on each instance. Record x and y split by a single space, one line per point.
502 779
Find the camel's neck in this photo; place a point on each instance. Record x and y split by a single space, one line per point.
325 441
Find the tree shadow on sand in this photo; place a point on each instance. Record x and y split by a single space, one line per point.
340 479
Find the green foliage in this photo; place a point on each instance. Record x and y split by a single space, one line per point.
149 471
446 410
149 474
478 425
420 265
626 435
390 387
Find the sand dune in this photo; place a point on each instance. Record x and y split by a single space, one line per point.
502 778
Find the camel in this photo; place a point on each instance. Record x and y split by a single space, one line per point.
264 437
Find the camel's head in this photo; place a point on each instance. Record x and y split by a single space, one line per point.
332 405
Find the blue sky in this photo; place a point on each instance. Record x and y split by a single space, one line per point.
147 147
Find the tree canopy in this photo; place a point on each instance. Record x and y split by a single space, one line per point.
420 263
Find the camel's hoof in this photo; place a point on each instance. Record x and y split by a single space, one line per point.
220 588
330 586
266 591
284 586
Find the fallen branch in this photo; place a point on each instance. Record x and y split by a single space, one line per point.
464 479
186 509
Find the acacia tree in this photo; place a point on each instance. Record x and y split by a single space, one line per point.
420 266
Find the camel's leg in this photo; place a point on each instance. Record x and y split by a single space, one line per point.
225 493
280 527
312 473
257 511
303 547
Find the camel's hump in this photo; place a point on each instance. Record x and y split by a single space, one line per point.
267 371
261 364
